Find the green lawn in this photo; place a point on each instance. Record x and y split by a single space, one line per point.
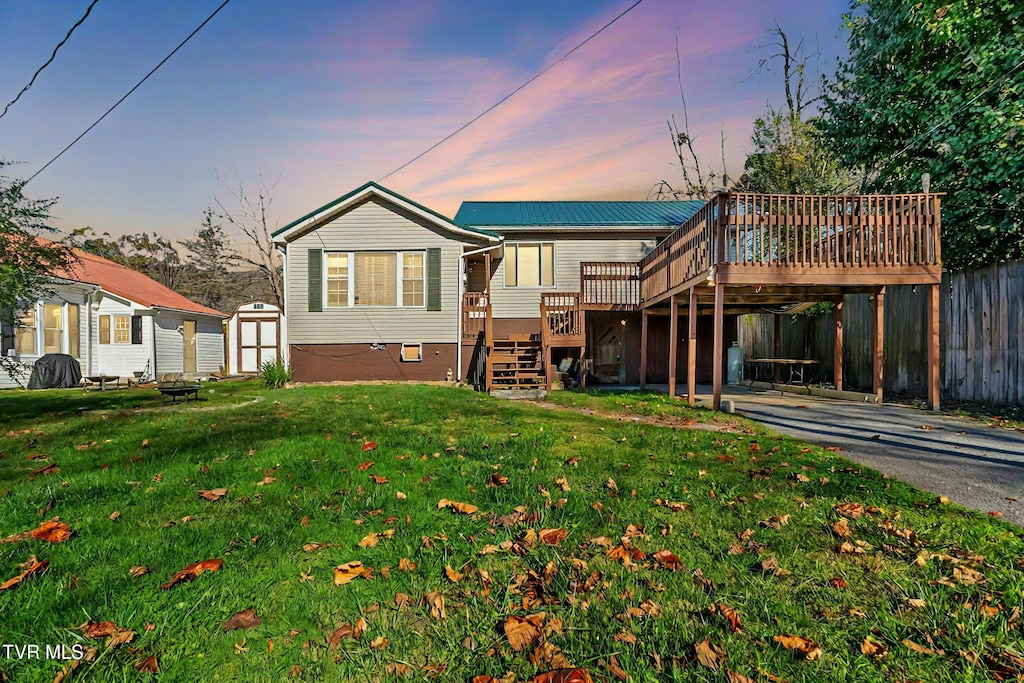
752 518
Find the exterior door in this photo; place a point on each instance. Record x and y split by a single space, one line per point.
257 343
189 347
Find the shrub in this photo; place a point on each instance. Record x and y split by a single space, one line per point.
276 374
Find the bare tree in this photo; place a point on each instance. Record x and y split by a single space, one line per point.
250 215
700 181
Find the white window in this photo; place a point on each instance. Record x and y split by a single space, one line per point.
25 334
104 329
412 353
74 331
122 329
53 328
375 278
530 264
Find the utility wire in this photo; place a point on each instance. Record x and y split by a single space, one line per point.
134 88
506 97
50 60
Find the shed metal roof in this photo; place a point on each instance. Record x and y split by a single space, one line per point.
577 213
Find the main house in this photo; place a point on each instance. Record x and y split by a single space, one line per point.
514 294
117 322
379 287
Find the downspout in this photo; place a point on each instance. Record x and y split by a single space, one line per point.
89 354
458 325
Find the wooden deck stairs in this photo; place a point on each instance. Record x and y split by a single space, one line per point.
516 363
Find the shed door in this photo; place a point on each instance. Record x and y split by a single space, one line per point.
189 346
257 343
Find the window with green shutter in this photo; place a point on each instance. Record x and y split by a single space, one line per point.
434 279
314 271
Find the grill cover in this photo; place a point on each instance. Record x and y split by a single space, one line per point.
55 371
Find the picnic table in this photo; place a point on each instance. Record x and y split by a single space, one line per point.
103 379
797 368
179 388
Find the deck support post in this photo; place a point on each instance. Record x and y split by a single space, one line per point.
673 338
548 373
934 388
719 343
691 349
837 361
643 349
777 352
583 367
877 374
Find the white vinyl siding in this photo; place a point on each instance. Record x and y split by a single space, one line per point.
29 345
170 348
568 253
120 357
374 225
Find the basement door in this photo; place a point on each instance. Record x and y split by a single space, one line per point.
608 366
257 343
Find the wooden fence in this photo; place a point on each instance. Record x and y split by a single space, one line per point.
981 337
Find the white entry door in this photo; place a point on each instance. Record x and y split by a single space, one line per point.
257 344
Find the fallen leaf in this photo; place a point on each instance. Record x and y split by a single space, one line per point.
729 613
738 678
563 676
668 560
402 600
406 565
522 631
552 536
496 480
909 644
30 568
369 446
363 466
245 619
453 575
380 643
873 649
435 601
215 494
842 528
193 570
140 570
149 665
464 508
346 630
614 666
838 582
709 655
350 571
53 531
808 648
266 480
377 479
399 669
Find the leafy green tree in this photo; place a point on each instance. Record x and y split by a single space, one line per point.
28 257
934 86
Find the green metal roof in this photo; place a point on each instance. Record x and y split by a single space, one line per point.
578 213
384 190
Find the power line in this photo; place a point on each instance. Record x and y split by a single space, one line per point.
50 60
134 88
506 97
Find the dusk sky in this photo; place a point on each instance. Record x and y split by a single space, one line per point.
322 96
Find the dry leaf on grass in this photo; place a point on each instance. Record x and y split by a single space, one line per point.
807 648
402 600
377 479
464 508
363 466
522 631
406 565
668 560
245 619
346 630
563 676
214 494
350 571
435 601
729 613
30 568
399 669
496 480
53 531
453 575
873 649
140 570
193 570
149 665
552 536
380 643
909 644
851 510
369 446
266 480
370 540
709 655
842 528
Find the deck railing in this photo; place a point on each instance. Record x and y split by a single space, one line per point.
561 315
807 234
476 314
610 284
687 252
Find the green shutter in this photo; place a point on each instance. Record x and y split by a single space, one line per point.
315 271
434 279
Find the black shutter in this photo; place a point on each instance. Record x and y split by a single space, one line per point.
434 279
315 272
6 337
136 329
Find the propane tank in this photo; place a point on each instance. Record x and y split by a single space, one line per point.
734 364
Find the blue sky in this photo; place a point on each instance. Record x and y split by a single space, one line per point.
322 96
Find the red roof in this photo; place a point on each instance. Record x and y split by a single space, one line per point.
130 284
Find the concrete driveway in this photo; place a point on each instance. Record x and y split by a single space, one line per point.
975 465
